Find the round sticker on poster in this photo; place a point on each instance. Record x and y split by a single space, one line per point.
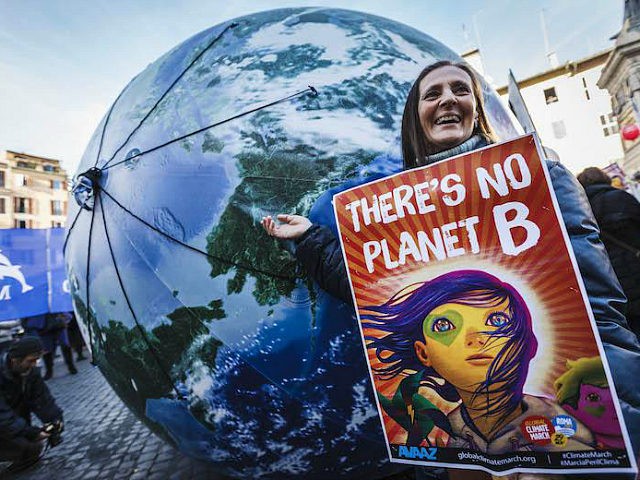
565 424
559 439
537 429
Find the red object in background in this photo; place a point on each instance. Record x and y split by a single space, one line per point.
631 132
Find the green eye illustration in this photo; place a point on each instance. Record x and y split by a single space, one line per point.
441 325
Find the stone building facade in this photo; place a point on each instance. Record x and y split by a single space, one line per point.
621 77
33 192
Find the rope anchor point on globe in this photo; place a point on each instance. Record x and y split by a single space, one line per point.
86 186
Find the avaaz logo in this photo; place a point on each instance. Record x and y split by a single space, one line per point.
9 270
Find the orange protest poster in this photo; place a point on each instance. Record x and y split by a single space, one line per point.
480 341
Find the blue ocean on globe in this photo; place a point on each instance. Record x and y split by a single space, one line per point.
206 327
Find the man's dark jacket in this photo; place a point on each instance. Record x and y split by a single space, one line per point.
618 214
19 397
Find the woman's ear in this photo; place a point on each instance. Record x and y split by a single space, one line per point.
422 353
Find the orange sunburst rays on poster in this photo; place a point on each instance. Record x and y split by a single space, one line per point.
543 275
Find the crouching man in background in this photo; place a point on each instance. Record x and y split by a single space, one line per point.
22 392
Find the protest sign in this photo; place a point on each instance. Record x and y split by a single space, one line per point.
481 344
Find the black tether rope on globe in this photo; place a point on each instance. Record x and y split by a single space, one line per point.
152 350
191 247
197 57
87 290
106 122
104 129
66 239
200 130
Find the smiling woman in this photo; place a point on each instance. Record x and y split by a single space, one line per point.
447 107
444 109
438 123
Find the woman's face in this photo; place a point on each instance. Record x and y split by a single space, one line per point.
447 107
455 345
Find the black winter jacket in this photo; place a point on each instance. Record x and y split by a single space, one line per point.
21 396
618 215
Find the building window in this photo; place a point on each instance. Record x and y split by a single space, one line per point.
23 205
49 168
559 129
56 224
20 223
3 205
56 207
21 180
1 178
56 184
550 95
609 124
24 164
586 89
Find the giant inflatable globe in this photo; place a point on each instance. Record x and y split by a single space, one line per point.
205 326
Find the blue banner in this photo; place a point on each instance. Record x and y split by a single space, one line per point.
32 274
59 296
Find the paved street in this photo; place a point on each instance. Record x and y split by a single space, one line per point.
104 440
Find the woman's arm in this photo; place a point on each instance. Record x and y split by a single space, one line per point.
317 249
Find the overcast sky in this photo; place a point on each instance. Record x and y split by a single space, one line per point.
63 62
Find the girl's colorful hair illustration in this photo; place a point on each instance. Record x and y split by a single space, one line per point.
403 315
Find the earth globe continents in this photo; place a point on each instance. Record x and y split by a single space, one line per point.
203 325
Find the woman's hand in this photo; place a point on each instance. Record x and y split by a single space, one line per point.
290 227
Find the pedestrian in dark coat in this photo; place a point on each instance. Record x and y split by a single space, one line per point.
75 336
54 334
23 392
618 215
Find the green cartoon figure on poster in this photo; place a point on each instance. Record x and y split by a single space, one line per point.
584 392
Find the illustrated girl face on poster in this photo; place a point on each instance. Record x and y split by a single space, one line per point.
467 328
461 342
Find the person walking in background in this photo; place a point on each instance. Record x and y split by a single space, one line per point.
618 215
34 325
75 336
54 334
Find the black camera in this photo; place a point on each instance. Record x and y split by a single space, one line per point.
54 429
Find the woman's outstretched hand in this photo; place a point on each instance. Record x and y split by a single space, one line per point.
289 228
